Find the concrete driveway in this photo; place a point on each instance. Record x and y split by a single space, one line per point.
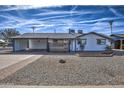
9 64
7 60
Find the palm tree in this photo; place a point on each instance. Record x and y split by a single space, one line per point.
111 23
33 28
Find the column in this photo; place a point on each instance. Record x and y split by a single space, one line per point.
47 45
121 44
69 45
13 42
75 45
29 43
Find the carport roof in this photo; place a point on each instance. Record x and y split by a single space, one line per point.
118 35
47 35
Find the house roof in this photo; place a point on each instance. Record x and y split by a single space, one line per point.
56 35
118 35
99 34
47 35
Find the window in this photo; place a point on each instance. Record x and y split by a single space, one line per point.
101 41
82 41
59 42
55 41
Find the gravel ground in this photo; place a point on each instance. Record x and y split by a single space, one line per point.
47 71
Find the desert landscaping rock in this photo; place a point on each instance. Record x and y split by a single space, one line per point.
47 71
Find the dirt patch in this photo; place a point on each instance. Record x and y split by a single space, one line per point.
96 54
77 71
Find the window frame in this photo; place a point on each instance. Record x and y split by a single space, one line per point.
81 41
85 41
100 42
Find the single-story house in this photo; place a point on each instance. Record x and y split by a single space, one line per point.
118 41
68 42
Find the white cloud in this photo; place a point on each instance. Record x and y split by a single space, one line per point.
118 23
57 19
70 13
101 19
115 12
22 7
17 22
73 9
54 17
52 13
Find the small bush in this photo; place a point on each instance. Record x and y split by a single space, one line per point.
62 61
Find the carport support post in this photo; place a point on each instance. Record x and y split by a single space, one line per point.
13 44
28 45
121 43
75 45
69 45
47 45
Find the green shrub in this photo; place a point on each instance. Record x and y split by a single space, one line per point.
108 48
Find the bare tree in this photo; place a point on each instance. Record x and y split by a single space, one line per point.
7 33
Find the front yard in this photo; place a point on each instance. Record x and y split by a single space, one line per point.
48 71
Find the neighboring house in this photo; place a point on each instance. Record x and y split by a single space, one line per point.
61 42
118 41
2 42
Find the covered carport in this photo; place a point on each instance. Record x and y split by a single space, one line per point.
44 41
118 41
20 44
30 44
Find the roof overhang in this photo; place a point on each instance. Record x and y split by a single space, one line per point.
117 36
104 36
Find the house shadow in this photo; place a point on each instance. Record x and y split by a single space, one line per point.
35 52
8 51
42 53
119 52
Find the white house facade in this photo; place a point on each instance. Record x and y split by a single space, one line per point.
61 42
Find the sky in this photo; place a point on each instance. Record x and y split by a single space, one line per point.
61 18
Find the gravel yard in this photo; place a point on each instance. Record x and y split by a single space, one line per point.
47 71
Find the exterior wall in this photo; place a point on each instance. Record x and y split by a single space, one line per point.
37 44
72 45
91 43
20 44
59 45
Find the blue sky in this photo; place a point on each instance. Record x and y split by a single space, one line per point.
61 18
